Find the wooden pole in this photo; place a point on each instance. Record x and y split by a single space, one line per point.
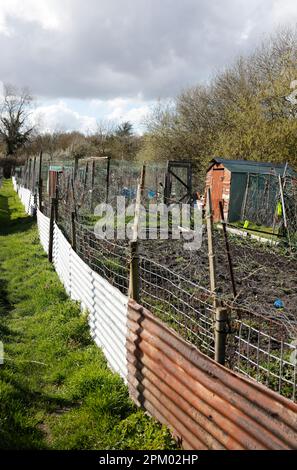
57 198
139 198
67 189
282 200
134 283
92 184
33 181
86 175
73 197
211 254
275 217
220 334
75 167
29 175
51 229
284 209
107 179
228 249
245 196
73 231
40 182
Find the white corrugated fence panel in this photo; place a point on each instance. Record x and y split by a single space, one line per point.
106 305
61 257
27 199
108 323
43 223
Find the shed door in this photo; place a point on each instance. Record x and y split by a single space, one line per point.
217 192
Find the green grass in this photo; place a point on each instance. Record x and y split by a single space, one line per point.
55 387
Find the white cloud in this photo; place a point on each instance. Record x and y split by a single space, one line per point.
128 110
100 50
118 57
59 116
62 115
283 11
44 12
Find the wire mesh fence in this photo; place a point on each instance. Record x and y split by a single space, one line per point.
182 304
270 202
107 258
258 346
260 349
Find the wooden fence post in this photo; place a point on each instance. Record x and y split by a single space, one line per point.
228 249
107 179
245 197
73 231
51 229
33 181
40 183
92 184
57 198
220 334
134 284
134 272
29 174
211 254
75 167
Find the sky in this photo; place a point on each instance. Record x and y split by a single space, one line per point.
88 61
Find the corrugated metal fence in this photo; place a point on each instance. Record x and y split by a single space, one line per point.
206 405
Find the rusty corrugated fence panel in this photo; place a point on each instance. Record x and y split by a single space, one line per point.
205 404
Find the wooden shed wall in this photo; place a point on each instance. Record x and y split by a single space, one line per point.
226 187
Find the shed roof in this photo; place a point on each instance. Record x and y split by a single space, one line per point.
249 166
55 168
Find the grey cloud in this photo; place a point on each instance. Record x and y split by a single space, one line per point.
122 48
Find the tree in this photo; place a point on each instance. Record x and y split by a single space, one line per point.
15 126
125 129
244 112
102 138
124 144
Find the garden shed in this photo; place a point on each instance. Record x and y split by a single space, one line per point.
248 189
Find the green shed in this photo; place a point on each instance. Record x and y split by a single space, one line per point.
248 189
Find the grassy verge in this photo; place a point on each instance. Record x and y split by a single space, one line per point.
55 387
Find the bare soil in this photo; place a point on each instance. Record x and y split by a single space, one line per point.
263 273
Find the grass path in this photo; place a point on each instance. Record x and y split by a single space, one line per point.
56 391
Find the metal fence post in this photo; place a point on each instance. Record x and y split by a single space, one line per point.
51 229
134 272
220 334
